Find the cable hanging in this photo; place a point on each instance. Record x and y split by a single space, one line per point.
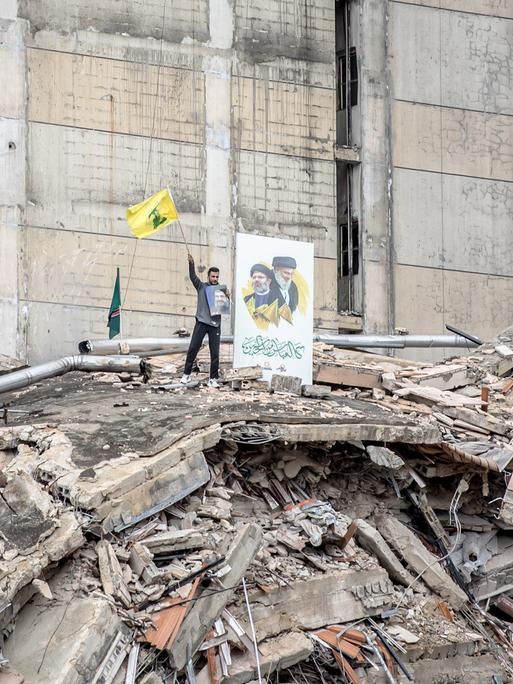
152 135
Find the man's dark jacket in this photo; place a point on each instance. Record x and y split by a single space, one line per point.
203 309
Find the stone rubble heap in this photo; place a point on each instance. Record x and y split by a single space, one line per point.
360 533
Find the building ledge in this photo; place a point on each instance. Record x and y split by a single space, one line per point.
347 153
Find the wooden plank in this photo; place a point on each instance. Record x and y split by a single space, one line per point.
351 530
346 668
340 644
211 661
353 635
508 386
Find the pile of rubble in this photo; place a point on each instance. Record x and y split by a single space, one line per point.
359 533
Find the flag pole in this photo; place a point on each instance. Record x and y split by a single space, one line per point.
120 310
179 222
184 238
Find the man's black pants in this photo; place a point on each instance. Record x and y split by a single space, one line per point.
214 339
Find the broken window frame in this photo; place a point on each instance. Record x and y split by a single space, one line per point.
348 226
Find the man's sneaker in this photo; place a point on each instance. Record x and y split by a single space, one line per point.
185 379
213 383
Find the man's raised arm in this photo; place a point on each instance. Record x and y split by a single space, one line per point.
192 272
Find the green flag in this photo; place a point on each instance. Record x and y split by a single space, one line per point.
114 323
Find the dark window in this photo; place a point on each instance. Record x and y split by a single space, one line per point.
342 89
350 248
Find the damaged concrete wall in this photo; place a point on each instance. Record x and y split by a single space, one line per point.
243 128
12 170
452 164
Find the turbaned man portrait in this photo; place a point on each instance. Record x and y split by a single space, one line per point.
283 288
261 304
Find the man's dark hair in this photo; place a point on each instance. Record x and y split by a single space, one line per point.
213 269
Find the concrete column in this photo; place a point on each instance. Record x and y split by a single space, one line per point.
217 67
376 174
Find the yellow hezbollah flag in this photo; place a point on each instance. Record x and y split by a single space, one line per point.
154 213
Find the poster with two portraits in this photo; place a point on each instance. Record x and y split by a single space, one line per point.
273 298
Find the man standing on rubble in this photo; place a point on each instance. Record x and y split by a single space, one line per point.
206 324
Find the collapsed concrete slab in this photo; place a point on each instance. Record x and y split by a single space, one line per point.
135 463
27 514
420 560
155 494
62 642
121 453
329 599
372 541
121 491
36 530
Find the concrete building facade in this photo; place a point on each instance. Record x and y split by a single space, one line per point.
379 130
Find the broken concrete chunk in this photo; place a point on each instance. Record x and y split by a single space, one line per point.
350 374
151 678
110 573
43 588
445 376
476 420
324 600
432 395
20 571
316 391
420 560
504 351
156 494
389 382
177 540
461 668
286 383
373 542
276 654
141 563
384 457
27 513
72 639
402 634
205 611
255 385
246 373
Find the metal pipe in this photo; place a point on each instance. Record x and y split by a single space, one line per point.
151 346
395 341
134 345
89 364
464 334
